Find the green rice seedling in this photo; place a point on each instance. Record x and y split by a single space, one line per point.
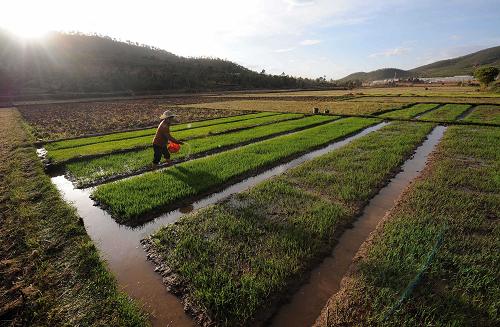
94 149
89 171
150 131
128 200
435 259
240 256
484 114
410 112
448 112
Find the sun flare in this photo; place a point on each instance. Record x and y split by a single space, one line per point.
29 31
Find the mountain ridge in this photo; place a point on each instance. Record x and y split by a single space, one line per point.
81 63
463 65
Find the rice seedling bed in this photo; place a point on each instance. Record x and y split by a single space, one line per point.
234 261
434 261
448 112
132 199
92 171
134 143
76 142
484 114
410 112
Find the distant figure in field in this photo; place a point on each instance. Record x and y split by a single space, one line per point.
162 137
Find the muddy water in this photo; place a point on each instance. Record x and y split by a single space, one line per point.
307 303
120 245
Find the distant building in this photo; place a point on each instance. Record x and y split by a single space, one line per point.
388 81
427 80
452 79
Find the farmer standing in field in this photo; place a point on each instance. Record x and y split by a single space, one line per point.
162 137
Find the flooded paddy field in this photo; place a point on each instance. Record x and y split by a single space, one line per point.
437 246
265 213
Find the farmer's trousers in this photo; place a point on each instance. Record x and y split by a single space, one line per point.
158 152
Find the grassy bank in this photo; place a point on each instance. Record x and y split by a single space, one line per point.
152 192
236 259
398 281
51 274
484 114
448 112
71 143
92 170
410 112
68 153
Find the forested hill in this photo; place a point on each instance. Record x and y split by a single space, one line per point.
87 63
464 65
384 73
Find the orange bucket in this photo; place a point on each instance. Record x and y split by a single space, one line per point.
173 147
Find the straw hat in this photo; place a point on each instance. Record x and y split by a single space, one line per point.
167 114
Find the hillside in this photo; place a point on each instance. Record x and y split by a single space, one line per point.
88 63
451 67
383 73
461 65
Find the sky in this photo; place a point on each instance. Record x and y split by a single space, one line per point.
308 38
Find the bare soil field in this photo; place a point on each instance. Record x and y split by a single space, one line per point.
62 120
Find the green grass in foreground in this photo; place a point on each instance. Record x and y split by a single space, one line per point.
448 112
239 255
149 131
91 170
410 112
144 141
484 114
458 197
50 271
130 199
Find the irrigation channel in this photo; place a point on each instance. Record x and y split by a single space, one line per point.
307 303
120 245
